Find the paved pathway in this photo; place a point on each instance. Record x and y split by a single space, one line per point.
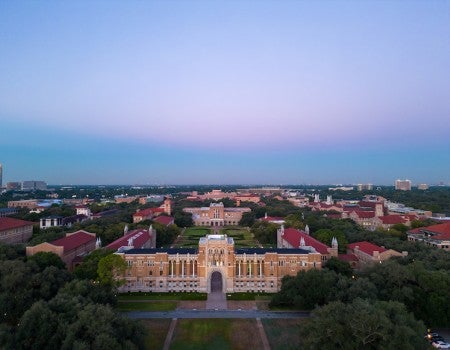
262 333
217 314
216 301
170 334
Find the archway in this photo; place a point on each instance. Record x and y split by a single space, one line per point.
216 282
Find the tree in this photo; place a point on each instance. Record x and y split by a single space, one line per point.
11 252
294 221
90 290
88 269
326 236
339 266
39 328
363 324
348 289
265 232
306 290
99 327
110 270
46 259
183 219
248 219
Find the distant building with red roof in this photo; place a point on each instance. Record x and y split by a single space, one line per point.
150 213
135 239
164 220
14 230
296 239
435 235
273 219
368 253
247 197
146 214
75 244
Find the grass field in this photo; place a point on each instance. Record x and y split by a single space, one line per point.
283 333
215 334
157 332
143 306
190 237
242 237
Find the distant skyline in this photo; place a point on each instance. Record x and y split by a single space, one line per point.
225 92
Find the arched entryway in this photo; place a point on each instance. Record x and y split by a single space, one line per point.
216 282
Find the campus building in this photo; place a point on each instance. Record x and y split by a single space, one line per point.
71 249
15 231
437 236
216 215
215 260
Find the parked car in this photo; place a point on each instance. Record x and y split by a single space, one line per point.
439 344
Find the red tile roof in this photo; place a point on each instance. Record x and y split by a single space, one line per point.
347 257
366 247
140 237
440 231
165 220
10 223
393 219
293 236
148 212
74 240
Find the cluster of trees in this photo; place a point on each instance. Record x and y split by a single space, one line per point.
362 324
43 306
265 232
423 292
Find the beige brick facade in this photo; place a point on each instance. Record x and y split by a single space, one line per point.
216 215
190 270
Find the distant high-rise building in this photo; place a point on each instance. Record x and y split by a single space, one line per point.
403 185
13 185
365 187
422 186
34 185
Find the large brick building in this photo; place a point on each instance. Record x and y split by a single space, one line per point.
437 236
70 248
15 230
216 215
216 258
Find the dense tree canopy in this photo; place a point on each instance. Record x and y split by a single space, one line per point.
265 232
362 324
42 306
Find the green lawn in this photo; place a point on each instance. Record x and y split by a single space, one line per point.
215 334
242 237
146 306
283 333
161 296
157 332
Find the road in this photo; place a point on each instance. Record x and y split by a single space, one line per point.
217 314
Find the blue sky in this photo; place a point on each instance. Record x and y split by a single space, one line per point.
225 92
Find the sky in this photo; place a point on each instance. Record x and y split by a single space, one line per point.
225 92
